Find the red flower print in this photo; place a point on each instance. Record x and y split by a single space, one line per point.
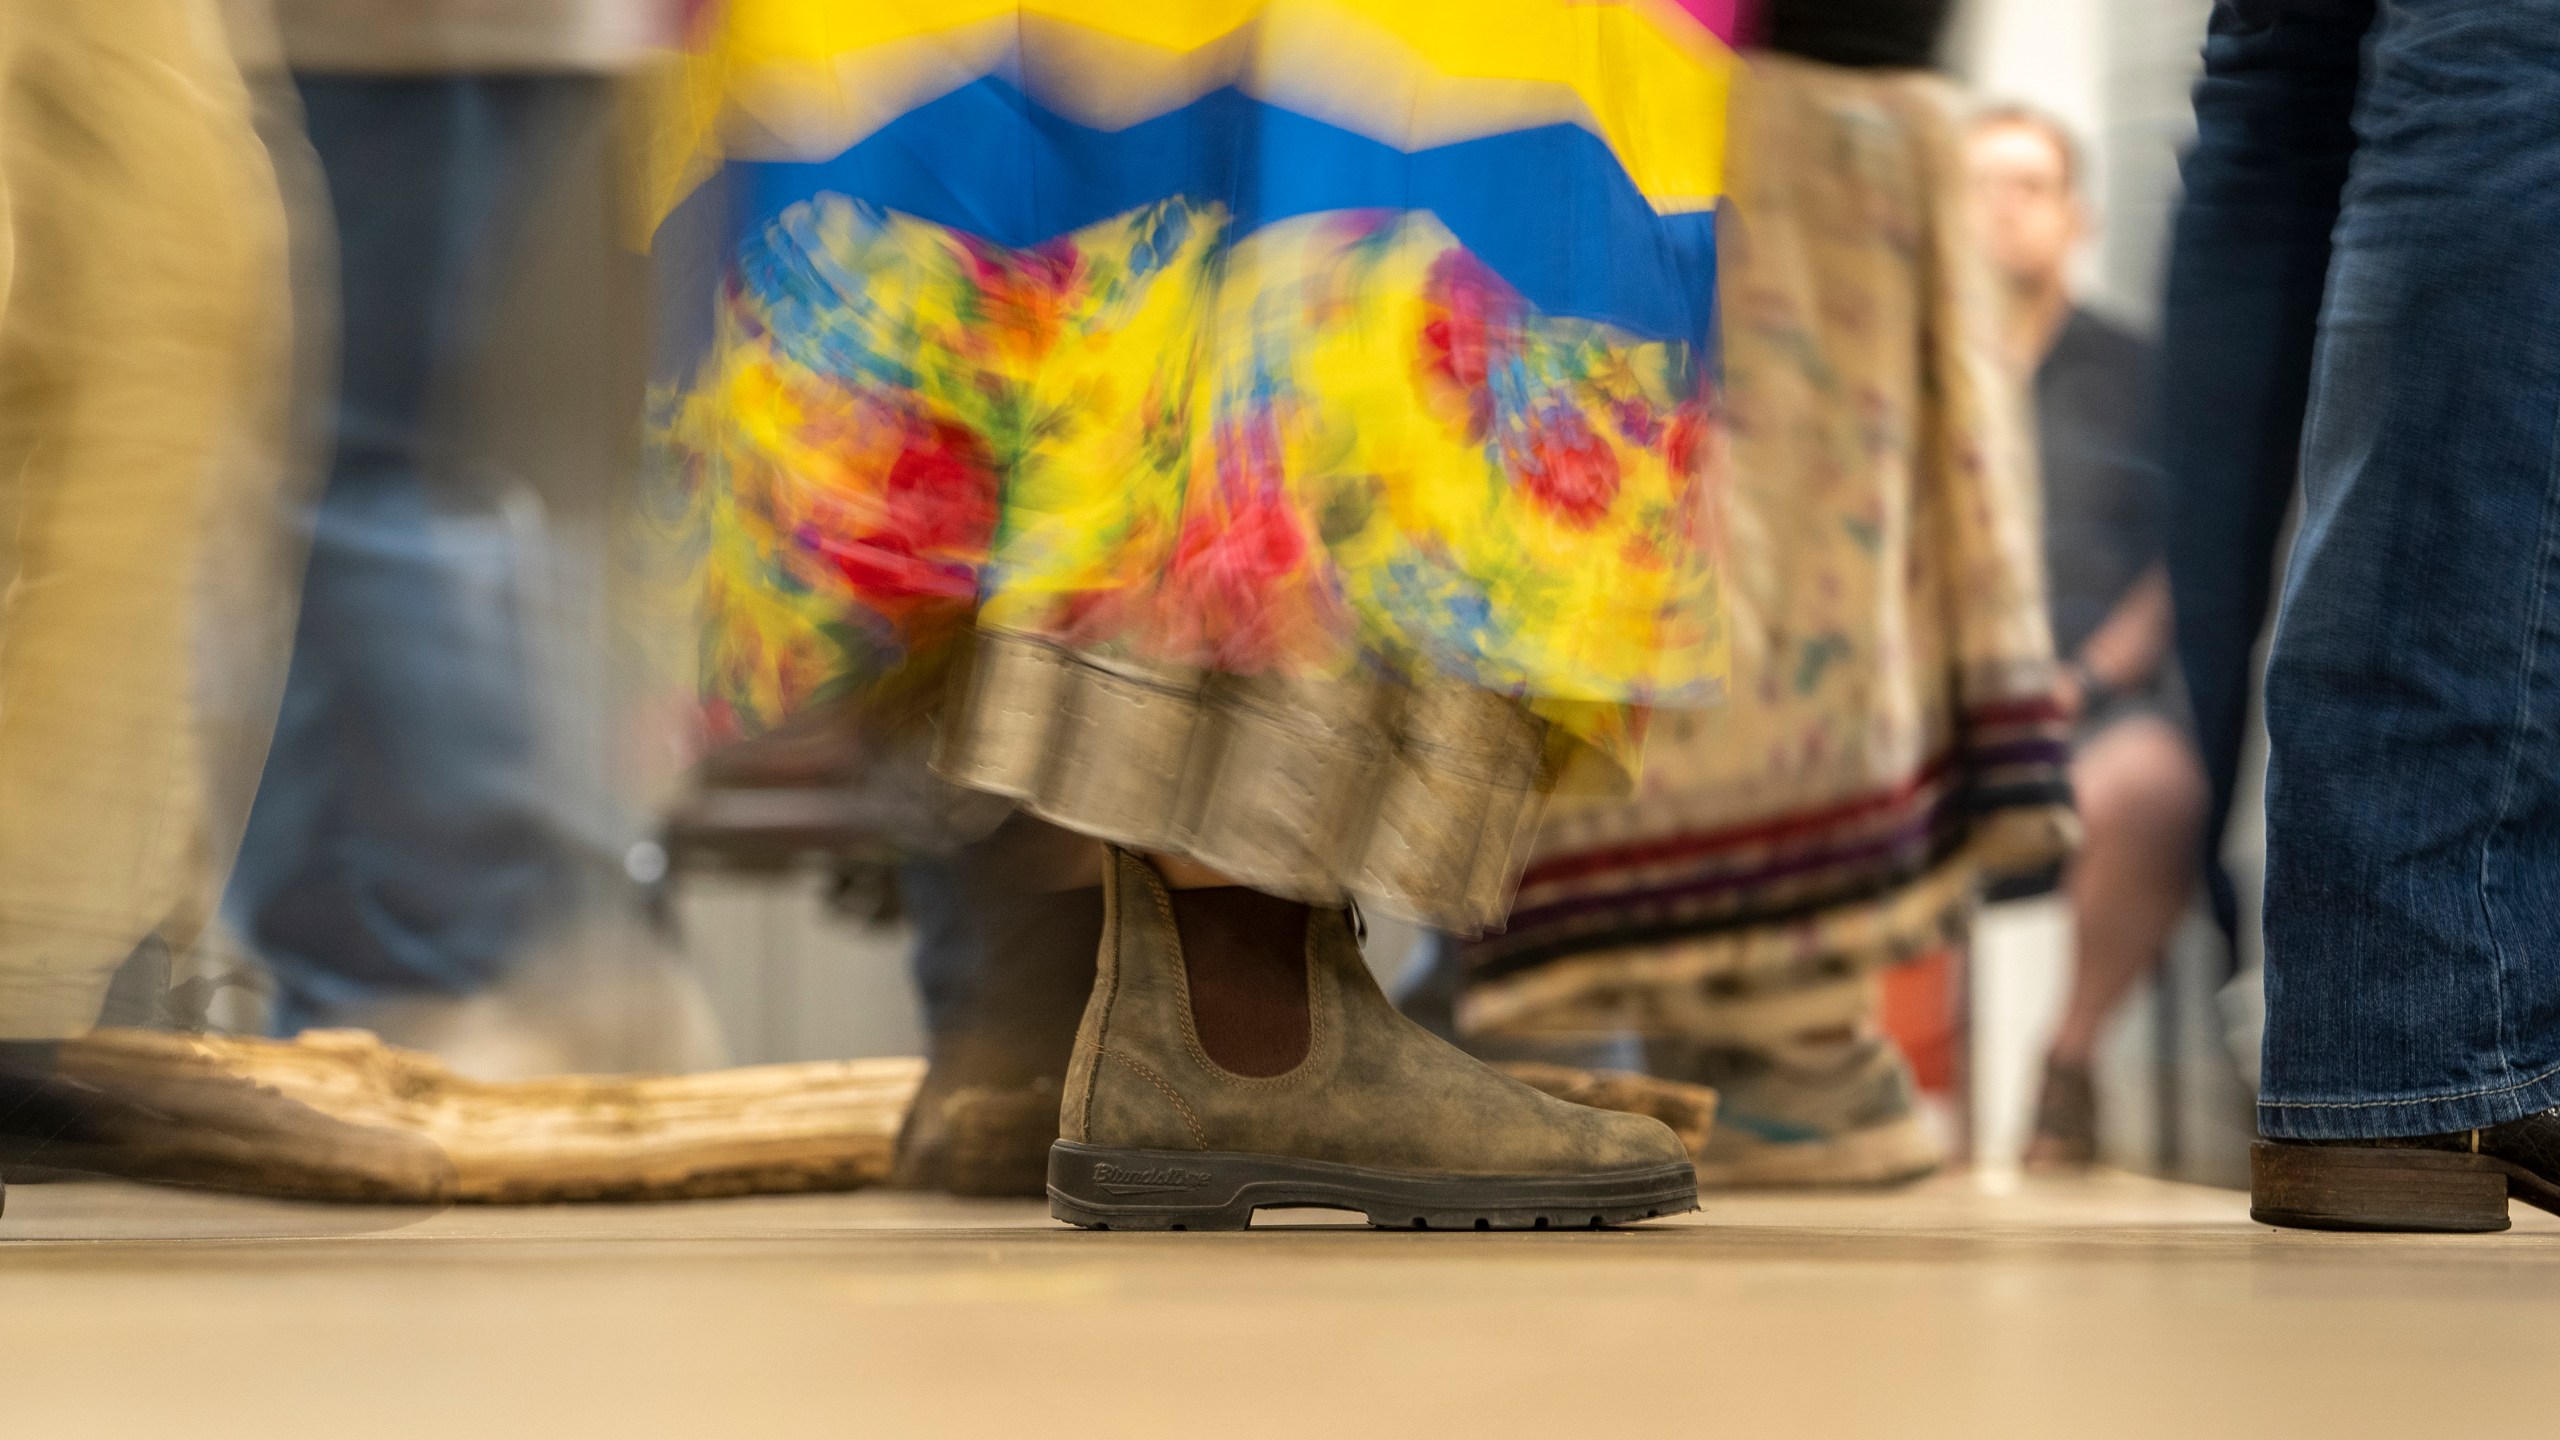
1022 293
1471 312
886 572
1688 436
941 490
1238 554
1239 562
1636 421
986 260
929 528
1453 346
1568 467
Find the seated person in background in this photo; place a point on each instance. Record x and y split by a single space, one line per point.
2135 773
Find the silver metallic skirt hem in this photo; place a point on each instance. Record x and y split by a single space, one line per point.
1421 799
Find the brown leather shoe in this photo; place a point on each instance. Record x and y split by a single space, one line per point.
2456 1183
1378 1116
985 1117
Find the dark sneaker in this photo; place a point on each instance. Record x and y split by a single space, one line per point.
2457 1183
1839 1115
1378 1116
2066 1131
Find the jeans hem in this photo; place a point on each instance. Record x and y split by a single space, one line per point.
2425 1115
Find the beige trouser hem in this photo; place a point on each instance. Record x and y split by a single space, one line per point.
39 1006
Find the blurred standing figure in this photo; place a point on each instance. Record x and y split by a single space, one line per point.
398 851
144 343
143 349
1892 735
1269 545
2134 772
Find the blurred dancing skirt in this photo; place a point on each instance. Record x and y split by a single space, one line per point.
1893 736
1279 434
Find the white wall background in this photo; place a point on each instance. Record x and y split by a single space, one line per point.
2118 73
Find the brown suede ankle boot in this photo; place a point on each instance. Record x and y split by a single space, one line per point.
1375 1115
982 1122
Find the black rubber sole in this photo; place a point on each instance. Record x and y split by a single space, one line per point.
1101 1188
2343 1187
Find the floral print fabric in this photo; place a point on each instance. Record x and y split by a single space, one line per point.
1337 446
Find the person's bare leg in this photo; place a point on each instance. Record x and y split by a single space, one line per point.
2142 799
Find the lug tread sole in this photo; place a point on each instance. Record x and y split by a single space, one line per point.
1102 1188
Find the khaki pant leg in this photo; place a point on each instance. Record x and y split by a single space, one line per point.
144 285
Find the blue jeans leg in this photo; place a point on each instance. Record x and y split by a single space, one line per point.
399 844
2249 260
950 955
2413 695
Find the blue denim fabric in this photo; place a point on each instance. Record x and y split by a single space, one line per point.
397 845
950 946
2249 260
2413 691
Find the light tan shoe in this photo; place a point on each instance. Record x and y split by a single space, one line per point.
1807 1115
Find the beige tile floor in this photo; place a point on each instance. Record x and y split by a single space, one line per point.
2107 1307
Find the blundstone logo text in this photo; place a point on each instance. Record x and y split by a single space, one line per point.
1121 1180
